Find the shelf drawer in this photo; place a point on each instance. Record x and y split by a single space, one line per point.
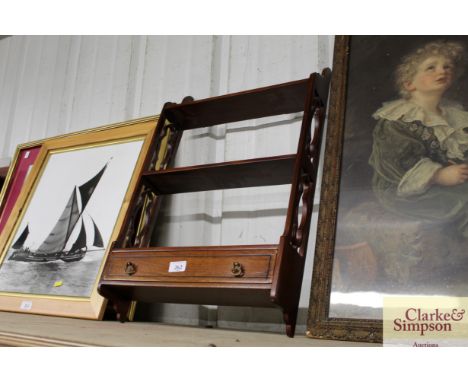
160 266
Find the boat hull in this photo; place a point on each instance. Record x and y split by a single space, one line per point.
34 257
71 257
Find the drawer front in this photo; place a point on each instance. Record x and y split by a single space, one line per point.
155 267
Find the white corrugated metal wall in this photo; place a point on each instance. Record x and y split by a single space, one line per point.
51 85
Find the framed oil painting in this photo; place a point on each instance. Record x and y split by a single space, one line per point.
55 242
393 215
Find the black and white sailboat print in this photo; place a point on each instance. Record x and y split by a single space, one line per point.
57 245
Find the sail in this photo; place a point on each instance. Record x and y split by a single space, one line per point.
20 242
62 230
80 241
87 189
98 242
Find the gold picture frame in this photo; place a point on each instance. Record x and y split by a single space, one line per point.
121 148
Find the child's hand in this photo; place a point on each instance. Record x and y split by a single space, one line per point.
451 175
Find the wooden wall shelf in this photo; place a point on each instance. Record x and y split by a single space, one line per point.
249 275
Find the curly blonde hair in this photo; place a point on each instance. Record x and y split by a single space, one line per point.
408 67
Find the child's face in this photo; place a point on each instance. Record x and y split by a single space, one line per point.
434 75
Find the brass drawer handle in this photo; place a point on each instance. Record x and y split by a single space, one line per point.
237 269
130 268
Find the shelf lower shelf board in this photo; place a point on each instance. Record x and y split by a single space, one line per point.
195 294
237 174
268 101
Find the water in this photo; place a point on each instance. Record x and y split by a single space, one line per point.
77 278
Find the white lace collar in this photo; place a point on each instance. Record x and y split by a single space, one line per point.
407 111
448 127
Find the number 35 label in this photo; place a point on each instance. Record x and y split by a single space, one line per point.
177 266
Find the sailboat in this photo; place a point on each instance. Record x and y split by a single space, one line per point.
20 242
54 247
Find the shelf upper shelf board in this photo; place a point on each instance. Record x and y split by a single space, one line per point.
263 102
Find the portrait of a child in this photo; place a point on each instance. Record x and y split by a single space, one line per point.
402 216
420 143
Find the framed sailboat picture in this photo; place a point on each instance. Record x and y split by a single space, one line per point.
55 242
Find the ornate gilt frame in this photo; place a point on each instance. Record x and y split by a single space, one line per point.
320 325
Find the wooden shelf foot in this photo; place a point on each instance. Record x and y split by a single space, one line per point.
290 317
122 309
